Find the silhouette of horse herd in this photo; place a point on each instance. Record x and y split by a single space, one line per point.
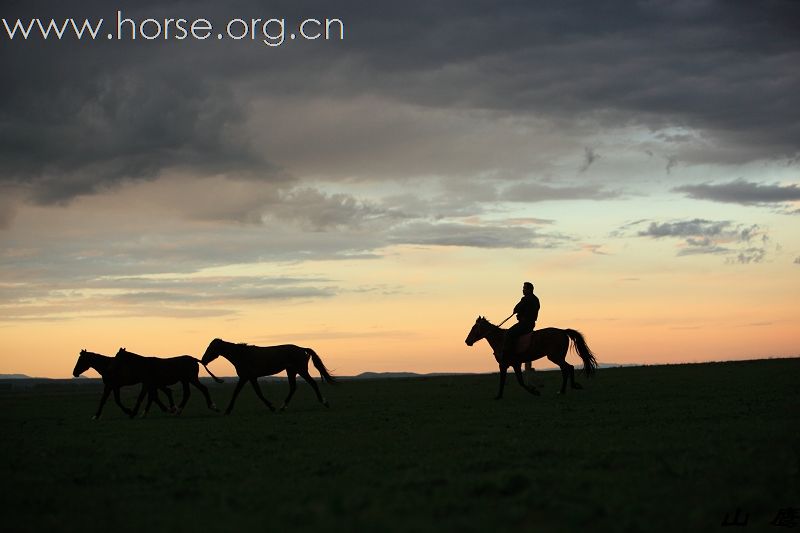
251 362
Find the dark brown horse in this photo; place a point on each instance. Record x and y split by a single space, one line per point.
115 374
157 372
251 362
552 343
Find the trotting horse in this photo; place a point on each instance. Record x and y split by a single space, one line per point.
157 372
115 374
251 362
550 342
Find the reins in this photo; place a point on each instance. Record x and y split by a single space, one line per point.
504 321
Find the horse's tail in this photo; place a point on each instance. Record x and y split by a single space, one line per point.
589 362
321 367
209 371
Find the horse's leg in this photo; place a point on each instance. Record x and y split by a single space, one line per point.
103 398
564 366
168 392
147 405
185 397
569 368
292 375
254 383
152 397
521 381
236 392
306 376
528 373
211 405
503 371
138 401
118 401
158 402
572 378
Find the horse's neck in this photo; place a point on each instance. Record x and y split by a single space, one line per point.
495 337
232 353
100 363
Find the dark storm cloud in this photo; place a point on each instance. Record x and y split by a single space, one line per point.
76 118
742 192
78 132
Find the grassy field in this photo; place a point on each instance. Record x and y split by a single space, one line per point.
663 448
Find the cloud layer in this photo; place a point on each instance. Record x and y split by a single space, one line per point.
82 117
742 192
739 243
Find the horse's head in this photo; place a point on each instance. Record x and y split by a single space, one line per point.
212 352
477 332
122 352
83 364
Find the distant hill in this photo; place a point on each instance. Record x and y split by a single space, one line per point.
363 375
384 375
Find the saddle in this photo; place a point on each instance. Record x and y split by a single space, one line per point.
524 343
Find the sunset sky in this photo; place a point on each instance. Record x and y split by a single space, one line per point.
369 197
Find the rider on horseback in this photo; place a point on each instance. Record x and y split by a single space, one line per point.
527 311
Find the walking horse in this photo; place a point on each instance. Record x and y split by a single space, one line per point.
552 343
115 374
157 372
251 362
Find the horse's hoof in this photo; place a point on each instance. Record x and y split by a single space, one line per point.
227 413
95 417
535 392
326 404
577 386
498 397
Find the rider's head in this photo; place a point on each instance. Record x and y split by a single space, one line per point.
527 288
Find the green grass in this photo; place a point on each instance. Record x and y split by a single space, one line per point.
666 448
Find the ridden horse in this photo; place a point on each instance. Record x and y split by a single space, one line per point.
251 362
159 372
115 374
550 342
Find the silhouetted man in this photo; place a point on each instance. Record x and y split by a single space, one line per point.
527 311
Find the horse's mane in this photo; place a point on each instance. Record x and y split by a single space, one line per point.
234 345
489 322
130 353
87 352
